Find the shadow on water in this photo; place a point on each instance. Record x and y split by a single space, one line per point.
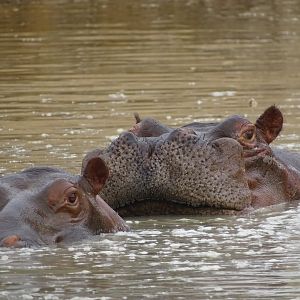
72 74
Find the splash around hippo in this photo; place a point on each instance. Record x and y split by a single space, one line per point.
47 206
215 168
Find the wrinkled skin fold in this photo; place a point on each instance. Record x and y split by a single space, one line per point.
47 206
215 168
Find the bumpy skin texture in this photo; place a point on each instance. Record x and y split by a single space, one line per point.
47 206
216 168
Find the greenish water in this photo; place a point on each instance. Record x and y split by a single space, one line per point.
71 75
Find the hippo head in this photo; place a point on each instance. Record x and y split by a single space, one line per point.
49 206
216 168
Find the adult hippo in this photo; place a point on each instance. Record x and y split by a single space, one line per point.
46 206
215 168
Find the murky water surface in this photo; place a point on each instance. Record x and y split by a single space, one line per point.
71 75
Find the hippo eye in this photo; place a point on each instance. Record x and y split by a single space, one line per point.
248 135
72 198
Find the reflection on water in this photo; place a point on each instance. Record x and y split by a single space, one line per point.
72 74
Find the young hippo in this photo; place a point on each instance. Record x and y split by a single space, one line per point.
47 206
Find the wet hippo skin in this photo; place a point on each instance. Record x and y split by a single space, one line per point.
200 168
47 206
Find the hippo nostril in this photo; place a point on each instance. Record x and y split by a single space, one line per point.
129 137
182 136
58 239
125 139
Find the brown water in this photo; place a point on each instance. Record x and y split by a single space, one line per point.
71 75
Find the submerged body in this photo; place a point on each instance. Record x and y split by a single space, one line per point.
45 206
216 168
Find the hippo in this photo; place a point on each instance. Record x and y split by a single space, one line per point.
48 206
217 168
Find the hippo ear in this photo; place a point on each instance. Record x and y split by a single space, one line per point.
96 172
270 123
137 118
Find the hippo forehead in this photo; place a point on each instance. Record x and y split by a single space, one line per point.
40 177
181 167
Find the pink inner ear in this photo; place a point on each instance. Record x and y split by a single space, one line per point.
270 123
11 240
96 172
